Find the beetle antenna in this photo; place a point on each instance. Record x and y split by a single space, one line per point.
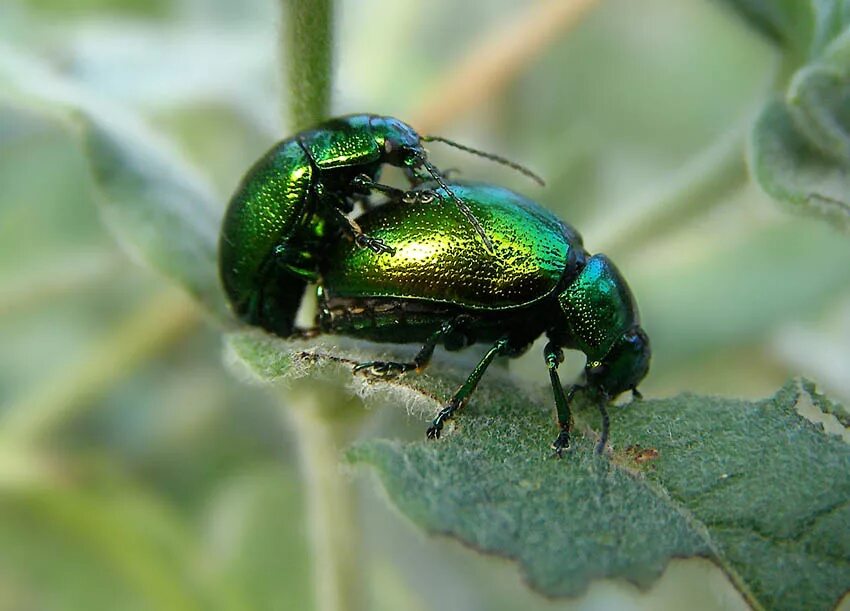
498 159
460 204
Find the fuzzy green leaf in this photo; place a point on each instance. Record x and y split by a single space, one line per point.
801 28
788 23
753 486
791 170
156 205
801 143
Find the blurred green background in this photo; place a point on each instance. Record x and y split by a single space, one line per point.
159 481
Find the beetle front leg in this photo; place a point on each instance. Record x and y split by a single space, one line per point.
408 197
554 356
462 395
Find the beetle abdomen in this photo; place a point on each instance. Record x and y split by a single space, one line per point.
439 257
264 212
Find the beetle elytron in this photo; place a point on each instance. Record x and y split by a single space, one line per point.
442 286
296 198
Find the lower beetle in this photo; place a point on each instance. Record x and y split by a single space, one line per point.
441 286
298 196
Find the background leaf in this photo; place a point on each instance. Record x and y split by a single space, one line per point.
792 171
789 23
801 145
157 206
753 486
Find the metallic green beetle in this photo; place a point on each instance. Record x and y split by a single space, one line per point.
443 286
296 198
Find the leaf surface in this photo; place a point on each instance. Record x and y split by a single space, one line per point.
751 485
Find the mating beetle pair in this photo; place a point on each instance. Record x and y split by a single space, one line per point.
455 264
295 201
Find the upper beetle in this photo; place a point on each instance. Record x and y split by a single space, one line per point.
441 286
295 200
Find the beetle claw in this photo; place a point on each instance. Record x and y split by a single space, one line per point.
561 445
447 412
376 245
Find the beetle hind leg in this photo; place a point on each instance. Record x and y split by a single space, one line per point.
385 370
388 370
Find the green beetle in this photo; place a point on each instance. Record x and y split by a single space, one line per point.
441 286
297 197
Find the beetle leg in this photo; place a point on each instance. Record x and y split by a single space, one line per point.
365 183
417 175
606 423
390 369
408 197
362 240
376 245
463 393
555 356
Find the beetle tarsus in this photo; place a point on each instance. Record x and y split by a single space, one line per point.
561 443
376 245
606 425
446 413
385 370
419 197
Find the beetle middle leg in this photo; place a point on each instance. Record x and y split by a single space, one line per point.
393 369
462 395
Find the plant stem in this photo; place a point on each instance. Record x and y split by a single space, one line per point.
319 416
317 412
307 54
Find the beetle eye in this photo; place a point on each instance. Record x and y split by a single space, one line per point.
594 367
388 146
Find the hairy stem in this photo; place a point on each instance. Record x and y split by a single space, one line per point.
322 419
307 54
315 412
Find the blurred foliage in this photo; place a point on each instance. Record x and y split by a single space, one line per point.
171 485
801 143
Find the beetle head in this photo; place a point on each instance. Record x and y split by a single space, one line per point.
625 365
401 144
